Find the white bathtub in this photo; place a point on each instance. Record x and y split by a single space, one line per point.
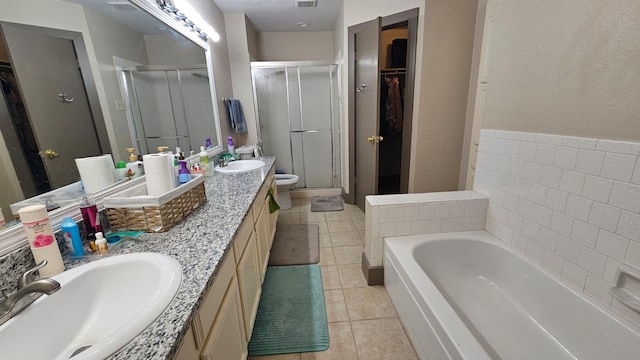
466 296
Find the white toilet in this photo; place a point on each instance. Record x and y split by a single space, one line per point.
285 182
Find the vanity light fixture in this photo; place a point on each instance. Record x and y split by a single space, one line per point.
183 12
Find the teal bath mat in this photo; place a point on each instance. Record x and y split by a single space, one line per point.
292 316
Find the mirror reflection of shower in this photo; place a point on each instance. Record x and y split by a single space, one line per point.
299 120
170 106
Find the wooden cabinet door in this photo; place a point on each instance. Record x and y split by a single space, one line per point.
263 234
188 349
273 217
249 282
227 337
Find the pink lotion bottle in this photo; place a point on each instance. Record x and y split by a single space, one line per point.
43 244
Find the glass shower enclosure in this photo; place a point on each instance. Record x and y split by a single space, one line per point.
169 107
299 119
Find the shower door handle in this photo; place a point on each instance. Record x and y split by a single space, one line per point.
375 139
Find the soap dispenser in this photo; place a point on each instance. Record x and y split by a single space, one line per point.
230 146
135 168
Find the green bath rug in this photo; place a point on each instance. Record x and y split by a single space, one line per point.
292 316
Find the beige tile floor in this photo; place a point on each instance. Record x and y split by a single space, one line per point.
362 321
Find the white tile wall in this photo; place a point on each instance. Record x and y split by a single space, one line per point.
415 214
570 204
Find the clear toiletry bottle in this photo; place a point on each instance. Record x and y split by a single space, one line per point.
204 161
43 244
72 236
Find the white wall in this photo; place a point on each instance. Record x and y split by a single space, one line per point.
165 50
295 46
240 60
440 109
219 58
568 67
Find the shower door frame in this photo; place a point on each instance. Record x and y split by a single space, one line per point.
297 64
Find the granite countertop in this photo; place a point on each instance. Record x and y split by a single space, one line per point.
200 243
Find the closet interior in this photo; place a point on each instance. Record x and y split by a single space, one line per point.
393 127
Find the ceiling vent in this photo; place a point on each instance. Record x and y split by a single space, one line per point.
122 5
306 3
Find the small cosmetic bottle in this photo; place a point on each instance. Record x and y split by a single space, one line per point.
101 243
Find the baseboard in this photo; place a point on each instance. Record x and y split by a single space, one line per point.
307 193
373 274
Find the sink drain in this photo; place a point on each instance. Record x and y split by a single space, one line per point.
79 350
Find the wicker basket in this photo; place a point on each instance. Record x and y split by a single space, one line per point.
134 210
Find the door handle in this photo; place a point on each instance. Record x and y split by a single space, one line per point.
50 153
64 98
361 88
375 139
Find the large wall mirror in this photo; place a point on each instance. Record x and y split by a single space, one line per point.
88 77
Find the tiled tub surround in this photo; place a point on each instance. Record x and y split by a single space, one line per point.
200 243
417 214
571 204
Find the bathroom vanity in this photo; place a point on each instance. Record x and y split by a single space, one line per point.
223 248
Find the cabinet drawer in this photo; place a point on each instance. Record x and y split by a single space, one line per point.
243 235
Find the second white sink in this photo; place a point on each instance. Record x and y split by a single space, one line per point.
240 166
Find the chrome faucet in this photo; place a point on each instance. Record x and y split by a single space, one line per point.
29 290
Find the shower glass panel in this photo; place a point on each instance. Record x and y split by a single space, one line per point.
315 94
298 114
170 108
271 85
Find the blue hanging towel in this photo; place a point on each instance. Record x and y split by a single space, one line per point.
236 115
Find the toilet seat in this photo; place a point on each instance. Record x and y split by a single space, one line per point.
286 179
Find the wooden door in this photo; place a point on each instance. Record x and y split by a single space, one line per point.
64 126
367 117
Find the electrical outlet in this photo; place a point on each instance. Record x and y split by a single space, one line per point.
120 105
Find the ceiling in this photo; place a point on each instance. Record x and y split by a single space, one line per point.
265 15
282 15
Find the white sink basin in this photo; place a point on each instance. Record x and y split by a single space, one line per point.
100 306
240 166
